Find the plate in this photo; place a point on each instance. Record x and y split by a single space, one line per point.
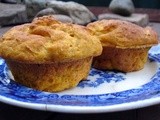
102 91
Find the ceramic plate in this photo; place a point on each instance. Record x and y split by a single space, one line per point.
102 91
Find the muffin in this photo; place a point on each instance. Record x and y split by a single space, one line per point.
125 45
49 55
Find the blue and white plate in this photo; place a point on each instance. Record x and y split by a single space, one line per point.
103 91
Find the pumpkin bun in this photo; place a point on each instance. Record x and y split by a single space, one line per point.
49 55
125 45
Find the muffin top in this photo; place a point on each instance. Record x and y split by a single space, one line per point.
123 34
47 40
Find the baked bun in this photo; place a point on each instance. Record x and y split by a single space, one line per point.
49 55
125 45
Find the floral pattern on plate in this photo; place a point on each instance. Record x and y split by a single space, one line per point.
17 92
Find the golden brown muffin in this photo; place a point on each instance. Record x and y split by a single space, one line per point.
49 55
125 45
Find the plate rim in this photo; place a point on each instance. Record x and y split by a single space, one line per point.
83 109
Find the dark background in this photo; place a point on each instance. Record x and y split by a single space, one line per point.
138 3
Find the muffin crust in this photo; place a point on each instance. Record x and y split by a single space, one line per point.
48 40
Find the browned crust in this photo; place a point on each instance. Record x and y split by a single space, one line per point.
50 77
125 60
123 34
47 40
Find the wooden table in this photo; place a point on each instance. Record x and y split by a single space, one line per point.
9 112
